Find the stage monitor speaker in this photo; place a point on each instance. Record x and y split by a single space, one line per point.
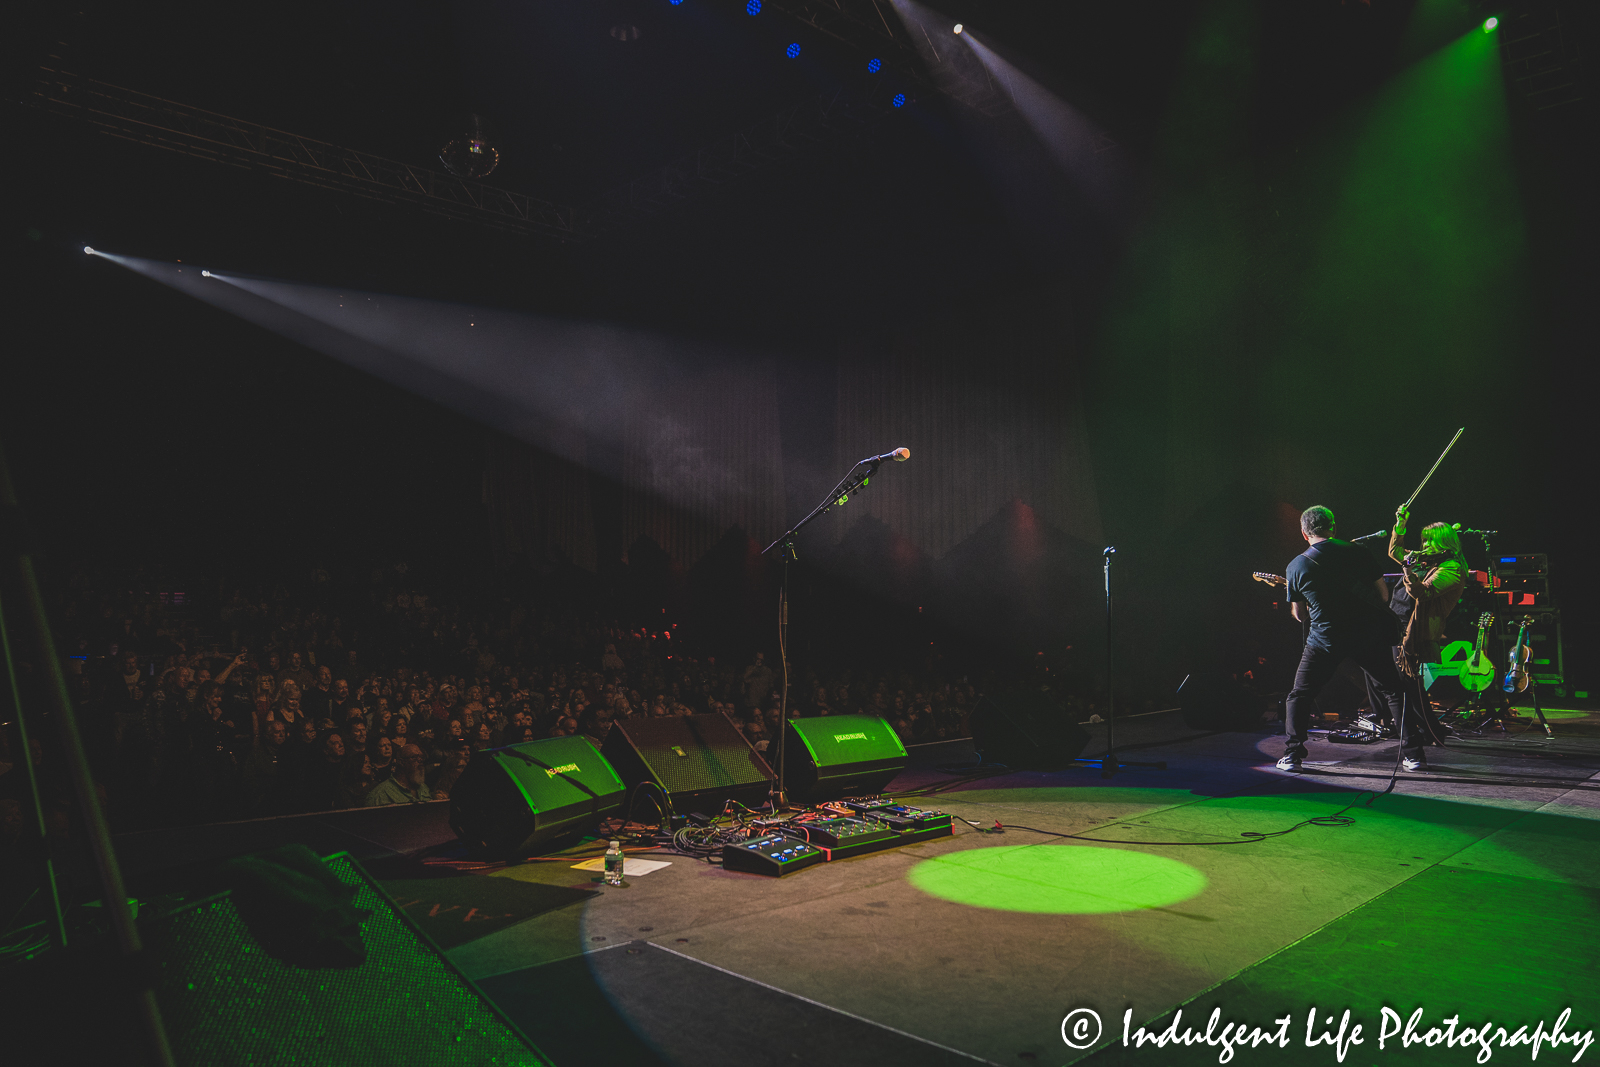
1214 700
534 796
702 761
1033 731
233 993
834 756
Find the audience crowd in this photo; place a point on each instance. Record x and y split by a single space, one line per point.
279 699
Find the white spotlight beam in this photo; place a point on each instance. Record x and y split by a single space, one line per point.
412 375
582 391
949 66
1085 153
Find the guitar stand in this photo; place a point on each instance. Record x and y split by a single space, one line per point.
1503 711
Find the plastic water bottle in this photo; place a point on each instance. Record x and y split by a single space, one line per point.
614 863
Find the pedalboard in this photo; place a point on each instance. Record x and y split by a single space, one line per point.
844 831
881 826
771 854
899 817
778 847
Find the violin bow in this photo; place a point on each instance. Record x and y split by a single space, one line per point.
1435 467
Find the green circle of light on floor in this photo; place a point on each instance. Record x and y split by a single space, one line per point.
1057 879
1532 716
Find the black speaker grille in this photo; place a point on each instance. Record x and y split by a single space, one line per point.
226 1002
696 752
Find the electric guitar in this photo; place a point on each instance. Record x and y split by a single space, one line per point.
1478 672
1516 680
1270 579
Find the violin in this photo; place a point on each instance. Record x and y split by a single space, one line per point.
1419 560
1516 679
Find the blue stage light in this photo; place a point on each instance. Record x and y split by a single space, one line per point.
899 99
753 7
874 65
792 51
674 3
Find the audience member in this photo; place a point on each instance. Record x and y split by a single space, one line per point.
306 723
407 785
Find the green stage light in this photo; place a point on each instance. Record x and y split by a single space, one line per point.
1057 879
1490 23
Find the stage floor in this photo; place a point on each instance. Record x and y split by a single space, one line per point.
1472 889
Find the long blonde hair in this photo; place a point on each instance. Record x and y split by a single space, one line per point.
1441 538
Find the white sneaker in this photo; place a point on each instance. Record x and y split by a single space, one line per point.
1410 764
1289 763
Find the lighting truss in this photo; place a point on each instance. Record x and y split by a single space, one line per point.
150 120
1541 56
867 24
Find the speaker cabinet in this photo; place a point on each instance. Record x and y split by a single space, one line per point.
833 756
534 796
1030 731
702 761
230 998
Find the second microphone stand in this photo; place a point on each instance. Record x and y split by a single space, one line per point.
848 486
1109 764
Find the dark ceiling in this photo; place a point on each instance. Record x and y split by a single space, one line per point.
874 225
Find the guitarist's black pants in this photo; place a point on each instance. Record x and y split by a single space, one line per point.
1317 668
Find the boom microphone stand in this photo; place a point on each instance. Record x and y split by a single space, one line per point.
852 483
1109 764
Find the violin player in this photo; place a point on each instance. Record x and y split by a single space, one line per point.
1433 579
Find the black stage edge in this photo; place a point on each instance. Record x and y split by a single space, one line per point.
699 1016
161 860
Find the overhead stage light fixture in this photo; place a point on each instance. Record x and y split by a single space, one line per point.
874 65
88 251
753 7
205 274
899 100
1490 23
958 28
792 51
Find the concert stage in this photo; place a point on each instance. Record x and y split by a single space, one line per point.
1472 890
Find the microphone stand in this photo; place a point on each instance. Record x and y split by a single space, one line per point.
850 484
1109 764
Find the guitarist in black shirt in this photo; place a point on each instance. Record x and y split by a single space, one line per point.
1339 589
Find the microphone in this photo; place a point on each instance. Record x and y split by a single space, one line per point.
899 455
1370 536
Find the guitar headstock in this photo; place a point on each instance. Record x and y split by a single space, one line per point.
1486 619
1270 579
